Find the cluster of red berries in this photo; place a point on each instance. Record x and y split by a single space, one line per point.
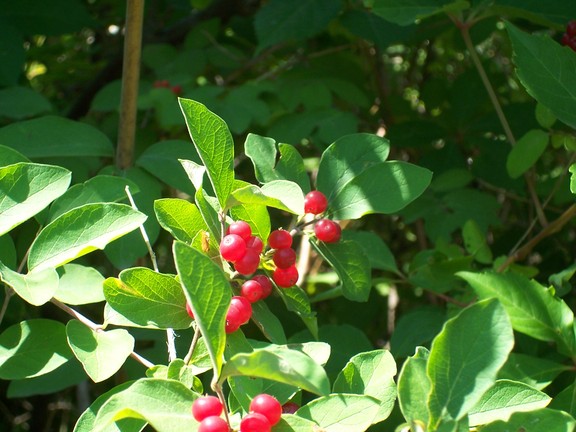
326 230
177 90
569 37
265 412
241 248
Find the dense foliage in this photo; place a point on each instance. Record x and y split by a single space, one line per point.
434 285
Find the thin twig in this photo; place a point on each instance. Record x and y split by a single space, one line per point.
195 339
9 293
218 390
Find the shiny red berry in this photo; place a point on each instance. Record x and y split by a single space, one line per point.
268 406
327 231
233 319
244 306
284 258
280 239
255 243
315 202
255 422
206 406
251 290
266 284
233 247
213 424
189 310
240 228
285 278
249 263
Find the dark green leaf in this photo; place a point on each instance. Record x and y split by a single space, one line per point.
32 348
526 152
405 12
544 419
21 102
414 387
545 69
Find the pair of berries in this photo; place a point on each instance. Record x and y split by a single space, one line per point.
177 90
286 274
240 247
569 37
265 412
257 288
326 230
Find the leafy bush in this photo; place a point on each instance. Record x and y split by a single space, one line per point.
438 299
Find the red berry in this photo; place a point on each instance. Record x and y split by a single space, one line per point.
206 406
233 319
284 258
233 247
240 228
255 243
249 263
571 28
327 231
285 278
268 406
565 39
280 239
315 202
177 90
244 306
290 408
189 310
264 281
255 422
252 291
213 424
161 83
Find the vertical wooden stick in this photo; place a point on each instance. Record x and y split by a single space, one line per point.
130 79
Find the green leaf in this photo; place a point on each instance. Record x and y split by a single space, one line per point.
197 273
147 299
99 189
263 152
537 372
348 157
281 194
21 102
256 216
79 285
268 323
405 12
350 262
287 20
533 310
101 353
26 189
465 358
162 160
379 254
341 412
297 301
505 398
399 183
214 144
164 404
8 251
180 218
545 69
36 287
414 328
87 421
526 152
475 242
414 387
81 231
32 348
546 14
565 400
370 373
280 364
544 419
52 136
9 156
544 116
293 423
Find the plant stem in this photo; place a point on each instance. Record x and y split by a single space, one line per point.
130 80
96 327
190 353
9 293
218 390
